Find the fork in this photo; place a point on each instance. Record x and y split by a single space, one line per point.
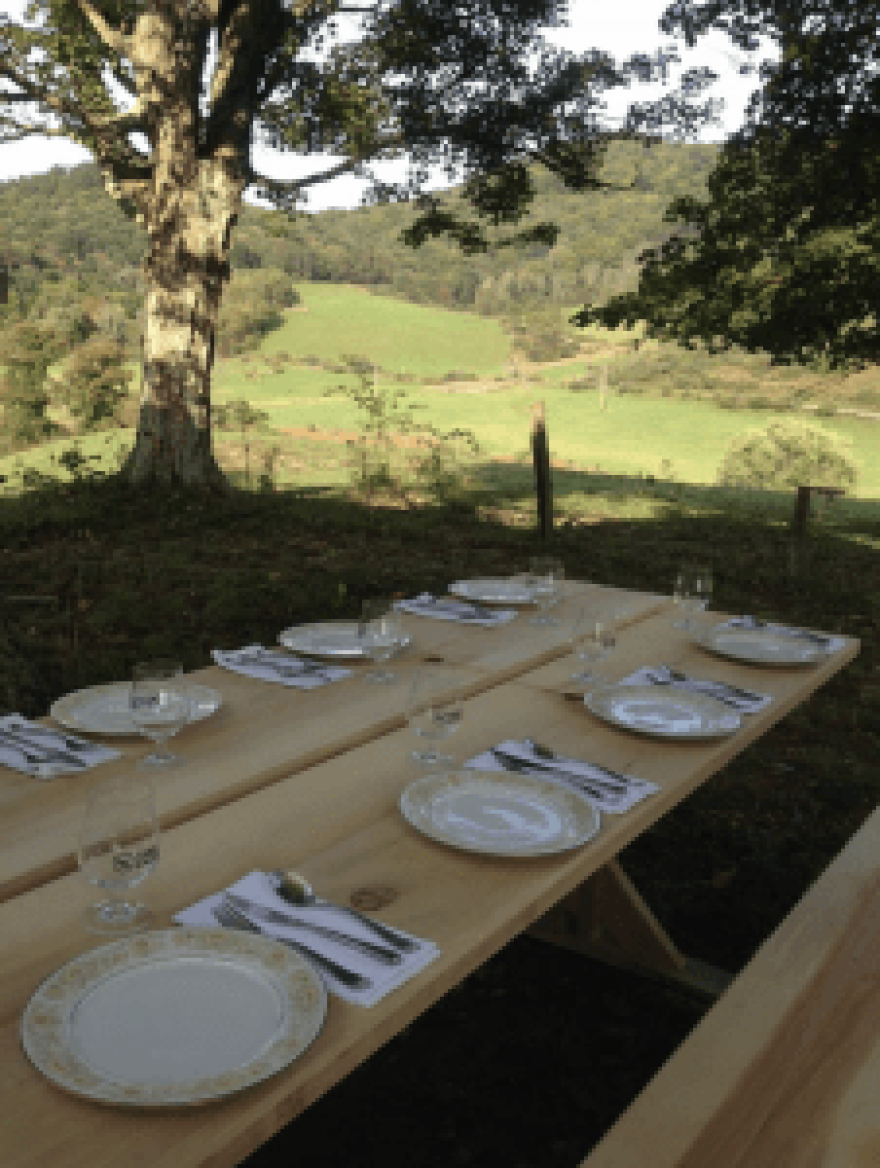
48 753
232 919
263 659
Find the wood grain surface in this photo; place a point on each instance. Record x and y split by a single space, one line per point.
338 822
785 1068
265 731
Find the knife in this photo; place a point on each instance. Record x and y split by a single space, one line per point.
581 780
746 694
48 753
273 916
755 623
265 661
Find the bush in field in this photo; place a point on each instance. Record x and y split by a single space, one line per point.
96 386
239 414
786 455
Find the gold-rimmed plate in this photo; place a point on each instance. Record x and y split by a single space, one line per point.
329 639
493 590
173 1017
104 709
499 813
763 646
662 710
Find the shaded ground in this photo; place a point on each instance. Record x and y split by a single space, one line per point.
537 1053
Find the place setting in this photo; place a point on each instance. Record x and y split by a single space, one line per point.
495 600
157 703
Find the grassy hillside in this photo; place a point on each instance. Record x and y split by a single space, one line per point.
462 373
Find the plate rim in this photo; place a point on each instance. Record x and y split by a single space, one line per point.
349 654
704 642
509 777
56 711
698 736
278 963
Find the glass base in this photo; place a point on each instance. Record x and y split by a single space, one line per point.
380 676
431 758
157 761
544 620
584 678
687 625
116 919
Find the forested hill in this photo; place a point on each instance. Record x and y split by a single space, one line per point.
67 241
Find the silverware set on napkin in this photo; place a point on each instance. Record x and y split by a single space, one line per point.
26 744
606 783
722 691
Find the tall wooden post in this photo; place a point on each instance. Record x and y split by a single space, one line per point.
541 459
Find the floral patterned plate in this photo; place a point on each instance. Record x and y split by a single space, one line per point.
171 1017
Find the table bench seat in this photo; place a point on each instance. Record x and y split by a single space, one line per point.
785 1068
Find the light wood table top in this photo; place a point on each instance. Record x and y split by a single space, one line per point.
265 731
338 823
785 1068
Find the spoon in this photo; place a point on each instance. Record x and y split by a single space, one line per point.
295 889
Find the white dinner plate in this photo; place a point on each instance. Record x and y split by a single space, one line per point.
176 1016
103 709
762 646
671 713
493 590
499 814
328 639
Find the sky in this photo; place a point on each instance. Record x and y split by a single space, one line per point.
619 27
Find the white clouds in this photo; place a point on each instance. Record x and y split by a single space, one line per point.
618 27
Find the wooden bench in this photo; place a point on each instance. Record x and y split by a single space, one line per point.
785 1069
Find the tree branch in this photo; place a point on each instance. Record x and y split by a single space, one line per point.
294 185
111 37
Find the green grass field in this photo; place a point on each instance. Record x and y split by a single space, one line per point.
635 434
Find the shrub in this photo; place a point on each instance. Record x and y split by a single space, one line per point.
786 455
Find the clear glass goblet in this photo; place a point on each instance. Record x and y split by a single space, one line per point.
692 594
381 634
159 706
591 641
118 848
546 574
433 713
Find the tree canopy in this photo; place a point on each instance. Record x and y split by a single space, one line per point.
783 256
473 87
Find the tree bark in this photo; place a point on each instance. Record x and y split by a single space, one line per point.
189 223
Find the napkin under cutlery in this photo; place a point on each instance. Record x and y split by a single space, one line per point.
607 790
426 604
258 888
257 661
829 643
744 701
55 752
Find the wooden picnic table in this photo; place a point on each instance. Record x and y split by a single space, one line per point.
785 1068
265 731
337 821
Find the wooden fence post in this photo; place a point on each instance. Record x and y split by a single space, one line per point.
541 459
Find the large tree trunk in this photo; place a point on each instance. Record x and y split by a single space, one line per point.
194 208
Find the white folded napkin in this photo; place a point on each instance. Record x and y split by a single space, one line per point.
711 689
40 740
239 661
605 797
832 644
257 887
426 604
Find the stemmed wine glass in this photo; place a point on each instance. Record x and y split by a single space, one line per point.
381 633
692 594
159 707
546 574
118 848
591 642
433 712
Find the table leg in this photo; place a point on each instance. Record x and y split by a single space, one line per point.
607 918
